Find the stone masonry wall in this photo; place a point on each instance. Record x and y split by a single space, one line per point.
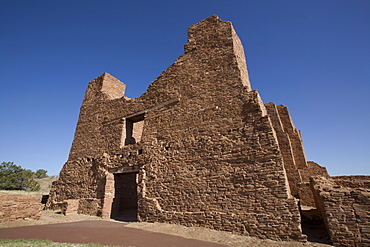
344 203
215 178
19 207
206 152
284 134
291 146
305 194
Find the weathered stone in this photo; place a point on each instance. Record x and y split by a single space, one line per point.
344 208
19 207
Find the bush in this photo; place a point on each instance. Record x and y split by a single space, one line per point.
41 173
13 177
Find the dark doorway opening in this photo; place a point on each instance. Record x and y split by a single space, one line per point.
124 207
314 227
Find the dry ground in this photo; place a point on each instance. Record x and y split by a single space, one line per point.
51 217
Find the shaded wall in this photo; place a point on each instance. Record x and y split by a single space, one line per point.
344 203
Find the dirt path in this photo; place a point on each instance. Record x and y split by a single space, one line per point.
194 233
100 232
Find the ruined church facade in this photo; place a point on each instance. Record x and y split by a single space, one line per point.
198 148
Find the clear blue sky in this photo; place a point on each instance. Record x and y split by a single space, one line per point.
311 56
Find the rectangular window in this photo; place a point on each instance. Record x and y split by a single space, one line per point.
134 129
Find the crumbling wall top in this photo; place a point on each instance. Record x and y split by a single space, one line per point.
105 87
219 36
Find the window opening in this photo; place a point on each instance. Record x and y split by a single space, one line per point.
134 129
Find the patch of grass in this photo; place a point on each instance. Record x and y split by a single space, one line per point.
23 192
41 243
45 184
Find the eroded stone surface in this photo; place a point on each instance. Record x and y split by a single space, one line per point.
19 207
344 203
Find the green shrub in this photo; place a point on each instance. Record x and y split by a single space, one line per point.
41 173
13 177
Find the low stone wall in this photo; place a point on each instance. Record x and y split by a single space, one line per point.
344 203
88 206
69 206
19 206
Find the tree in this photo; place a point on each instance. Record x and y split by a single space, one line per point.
13 177
41 173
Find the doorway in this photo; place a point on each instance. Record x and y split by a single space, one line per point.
313 226
124 206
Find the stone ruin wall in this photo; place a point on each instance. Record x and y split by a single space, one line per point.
290 142
210 177
19 207
344 203
206 150
208 154
305 192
